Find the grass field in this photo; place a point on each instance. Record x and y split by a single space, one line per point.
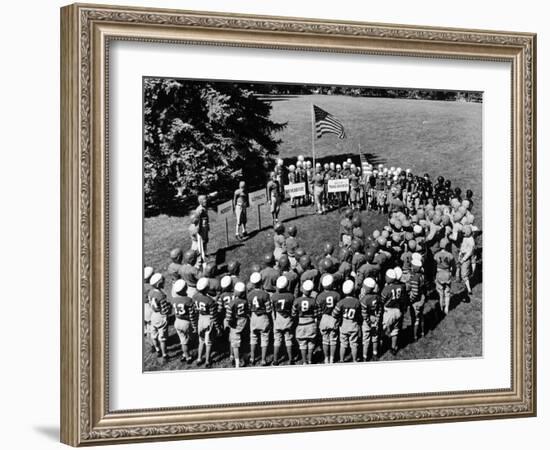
427 136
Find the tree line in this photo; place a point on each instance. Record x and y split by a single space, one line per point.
202 136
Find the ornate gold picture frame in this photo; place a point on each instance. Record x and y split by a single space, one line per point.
86 32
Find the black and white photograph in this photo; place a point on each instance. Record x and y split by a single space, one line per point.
298 224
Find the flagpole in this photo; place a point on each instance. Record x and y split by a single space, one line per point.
313 135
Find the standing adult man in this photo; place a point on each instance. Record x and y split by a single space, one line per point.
240 204
204 221
274 197
445 263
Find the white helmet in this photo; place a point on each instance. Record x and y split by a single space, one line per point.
282 282
240 287
225 282
255 278
178 286
202 284
369 283
307 286
156 278
390 273
300 157
398 273
327 281
347 287
148 273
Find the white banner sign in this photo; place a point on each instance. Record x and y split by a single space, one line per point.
295 190
338 185
225 209
258 198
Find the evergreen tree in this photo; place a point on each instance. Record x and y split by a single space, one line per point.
201 137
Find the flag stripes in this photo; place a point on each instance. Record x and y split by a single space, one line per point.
326 123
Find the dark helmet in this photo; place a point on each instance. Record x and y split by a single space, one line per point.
427 175
292 230
447 183
345 254
190 257
356 221
440 179
370 255
359 233
329 248
209 270
268 259
279 228
176 255
458 192
469 193
284 263
255 268
299 253
233 267
326 264
305 262
348 212
356 245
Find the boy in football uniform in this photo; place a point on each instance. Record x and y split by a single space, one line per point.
347 313
445 264
260 324
209 272
305 312
326 302
416 287
394 299
173 270
371 313
269 274
237 314
147 311
240 205
204 222
345 266
282 302
185 311
292 277
279 241
160 308
207 309
358 257
346 228
224 298
367 270
190 273
309 272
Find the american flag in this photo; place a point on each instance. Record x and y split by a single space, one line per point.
327 123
